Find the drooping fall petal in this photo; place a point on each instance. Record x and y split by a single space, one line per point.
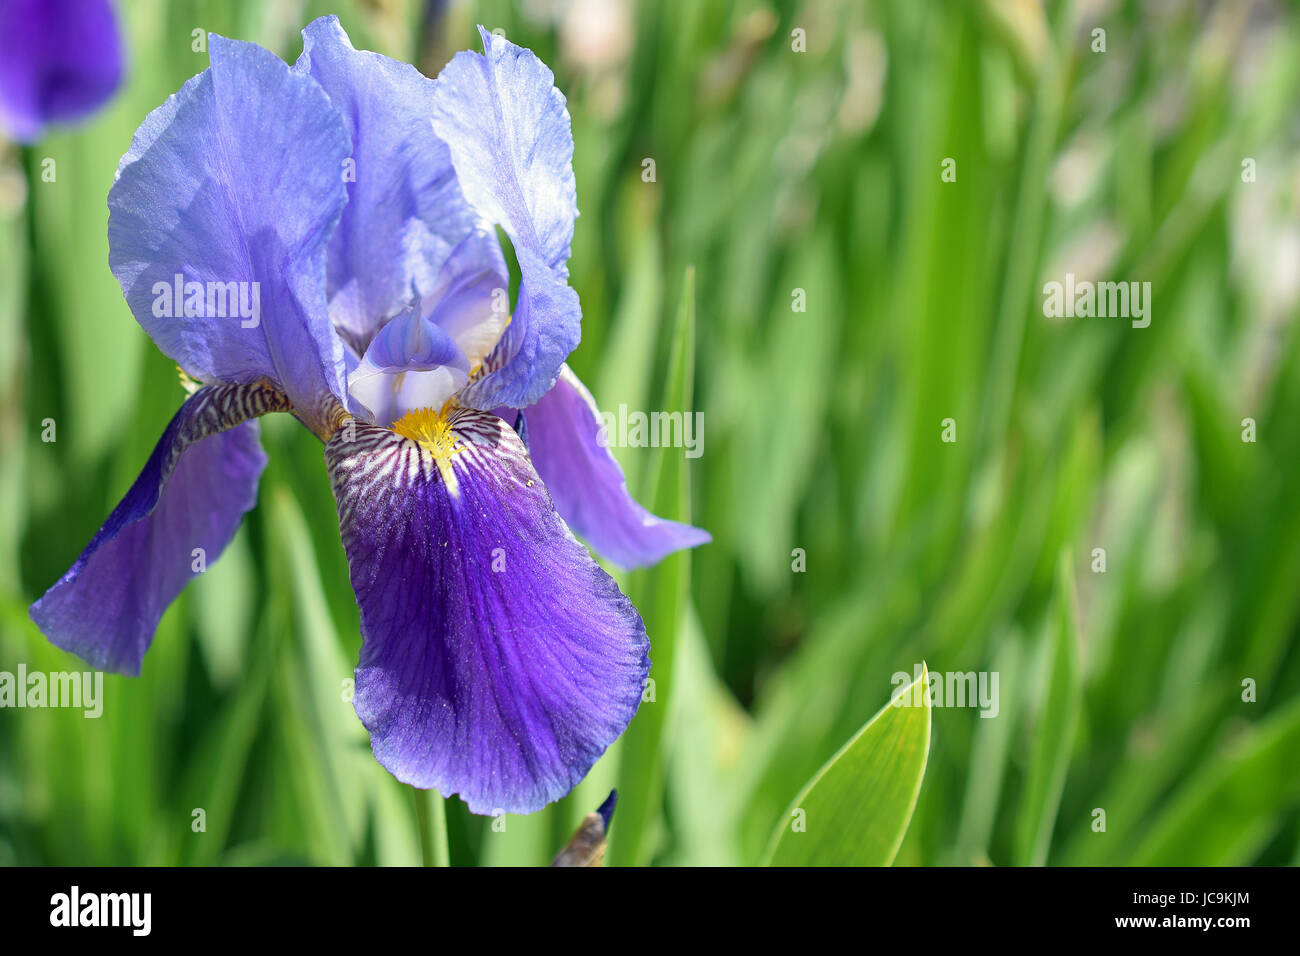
499 660
588 486
185 506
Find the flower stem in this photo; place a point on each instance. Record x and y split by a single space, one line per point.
431 813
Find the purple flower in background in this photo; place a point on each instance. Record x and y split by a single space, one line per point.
320 240
59 60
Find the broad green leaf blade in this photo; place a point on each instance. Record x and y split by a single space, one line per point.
855 810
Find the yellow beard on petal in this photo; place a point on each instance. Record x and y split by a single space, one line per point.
190 385
432 431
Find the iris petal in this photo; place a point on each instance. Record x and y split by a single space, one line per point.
587 484
469 299
405 212
499 661
509 133
234 184
59 60
192 493
411 363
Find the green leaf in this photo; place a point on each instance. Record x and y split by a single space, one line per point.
989 758
708 729
1226 812
320 719
855 810
661 594
1054 730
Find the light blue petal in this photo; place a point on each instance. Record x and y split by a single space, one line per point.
587 484
237 179
509 133
405 211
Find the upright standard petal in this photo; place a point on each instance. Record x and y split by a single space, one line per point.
192 493
509 133
470 299
59 60
499 661
405 212
587 484
218 223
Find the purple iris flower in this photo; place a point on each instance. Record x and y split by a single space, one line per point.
320 240
59 60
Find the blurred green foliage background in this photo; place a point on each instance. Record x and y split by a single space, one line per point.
775 170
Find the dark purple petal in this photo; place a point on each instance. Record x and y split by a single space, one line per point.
192 493
499 661
59 60
235 184
405 212
587 484
509 133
